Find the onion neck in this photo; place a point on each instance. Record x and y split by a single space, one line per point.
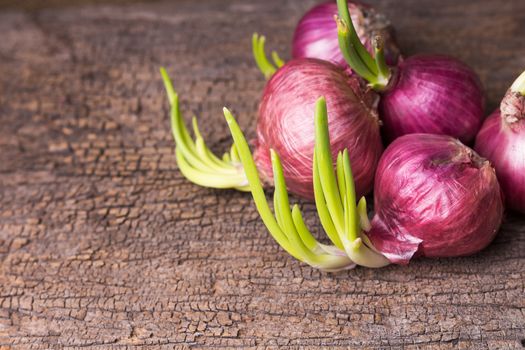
467 156
513 104
373 69
519 85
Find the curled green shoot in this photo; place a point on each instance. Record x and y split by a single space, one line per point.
360 49
373 69
265 66
349 52
519 85
195 160
335 198
286 227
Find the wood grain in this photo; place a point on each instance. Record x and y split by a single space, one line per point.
104 245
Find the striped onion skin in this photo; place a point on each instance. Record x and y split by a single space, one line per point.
434 197
433 94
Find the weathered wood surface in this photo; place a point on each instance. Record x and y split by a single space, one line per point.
103 244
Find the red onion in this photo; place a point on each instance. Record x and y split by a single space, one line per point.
316 33
502 141
424 94
285 123
435 95
434 197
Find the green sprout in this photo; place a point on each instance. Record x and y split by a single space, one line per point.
373 69
286 227
195 160
265 66
335 199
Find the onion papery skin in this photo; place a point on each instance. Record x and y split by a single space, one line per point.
433 94
316 33
434 197
502 141
286 123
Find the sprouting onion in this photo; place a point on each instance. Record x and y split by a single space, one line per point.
335 199
430 94
195 160
265 66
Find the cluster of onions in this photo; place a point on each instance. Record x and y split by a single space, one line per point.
434 196
423 94
502 141
315 35
424 197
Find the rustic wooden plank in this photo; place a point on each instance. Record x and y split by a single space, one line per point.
103 244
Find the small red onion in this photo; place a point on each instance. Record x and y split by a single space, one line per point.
285 123
435 95
316 33
502 141
434 197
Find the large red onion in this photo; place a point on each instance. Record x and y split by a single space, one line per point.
434 197
433 94
316 33
502 141
286 125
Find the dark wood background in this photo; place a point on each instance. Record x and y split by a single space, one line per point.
103 244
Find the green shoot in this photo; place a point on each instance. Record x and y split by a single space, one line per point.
195 160
373 69
265 66
335 197
286 227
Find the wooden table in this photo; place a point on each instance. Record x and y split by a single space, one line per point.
104 245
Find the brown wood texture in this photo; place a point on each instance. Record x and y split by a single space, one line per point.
103 243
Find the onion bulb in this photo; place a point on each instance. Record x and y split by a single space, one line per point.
434 197
285 123
433 94
316 33
502 141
